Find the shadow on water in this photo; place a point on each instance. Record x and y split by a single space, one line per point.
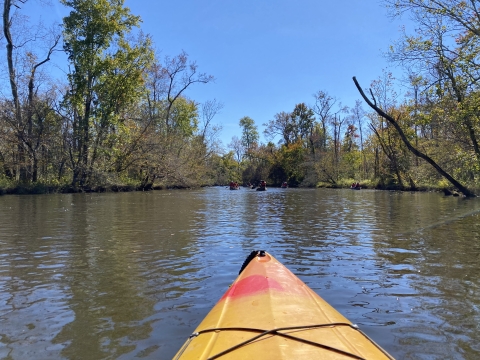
131 275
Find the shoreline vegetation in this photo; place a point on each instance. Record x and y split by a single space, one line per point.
43 189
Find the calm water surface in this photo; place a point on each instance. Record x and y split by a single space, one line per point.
129 276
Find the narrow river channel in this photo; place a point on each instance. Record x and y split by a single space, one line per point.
130 275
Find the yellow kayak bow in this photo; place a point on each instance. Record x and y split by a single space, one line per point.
269 313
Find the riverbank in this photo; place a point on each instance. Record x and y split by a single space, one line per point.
448 191
39 189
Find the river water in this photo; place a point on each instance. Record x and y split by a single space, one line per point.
130 275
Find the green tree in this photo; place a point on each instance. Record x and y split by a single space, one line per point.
223 168
184 117
250 135
106 75
303 121
292 159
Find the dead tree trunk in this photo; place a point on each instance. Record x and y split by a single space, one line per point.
410 147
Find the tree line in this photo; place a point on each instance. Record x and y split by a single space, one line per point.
121 118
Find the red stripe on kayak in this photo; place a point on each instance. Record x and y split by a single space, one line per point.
251 285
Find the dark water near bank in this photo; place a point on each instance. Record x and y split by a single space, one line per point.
127 276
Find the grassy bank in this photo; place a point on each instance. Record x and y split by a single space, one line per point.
442 186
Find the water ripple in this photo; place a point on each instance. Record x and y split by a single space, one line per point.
106 276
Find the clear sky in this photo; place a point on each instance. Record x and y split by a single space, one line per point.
268 55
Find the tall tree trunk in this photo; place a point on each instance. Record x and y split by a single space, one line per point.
11 70
21 171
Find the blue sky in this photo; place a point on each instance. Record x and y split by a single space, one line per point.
269 55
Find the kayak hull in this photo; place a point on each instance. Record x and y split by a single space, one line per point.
266 296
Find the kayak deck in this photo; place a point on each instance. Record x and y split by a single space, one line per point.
270 313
